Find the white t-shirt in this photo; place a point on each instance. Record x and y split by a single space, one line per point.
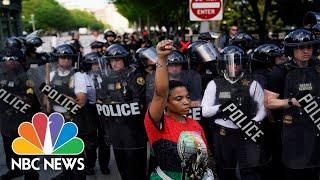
78 81
91 91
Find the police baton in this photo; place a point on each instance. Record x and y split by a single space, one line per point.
46 101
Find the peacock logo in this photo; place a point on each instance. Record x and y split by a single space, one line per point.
48 136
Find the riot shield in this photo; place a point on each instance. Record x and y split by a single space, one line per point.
301 129
16 97
238 139
122 109
55 89
37 75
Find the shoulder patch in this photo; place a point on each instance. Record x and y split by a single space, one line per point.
245 82
141 81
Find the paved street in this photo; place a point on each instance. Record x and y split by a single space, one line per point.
46 175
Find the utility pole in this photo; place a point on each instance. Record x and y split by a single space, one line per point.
33 22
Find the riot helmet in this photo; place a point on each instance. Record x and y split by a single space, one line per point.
204 50
208 36
34 41
89 60
12 58
96 44
147 56
266 54
117 52
176 62
22 40
232 61
299 38
311 18
176 57
13 42
65 51
110 36
242 40
316 30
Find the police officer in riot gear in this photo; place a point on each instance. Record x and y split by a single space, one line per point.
110 37
203 58
13 42
75 43
264 59
91 64
233 149
147 58
77 88
14 84
33 58
125 87
244 41
177 63
97 47
300 136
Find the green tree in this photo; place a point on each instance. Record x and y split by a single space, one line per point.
51 16
85 19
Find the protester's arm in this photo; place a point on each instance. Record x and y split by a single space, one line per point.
161 92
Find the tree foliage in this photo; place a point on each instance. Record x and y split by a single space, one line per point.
51 16
85 19
253 16
163 13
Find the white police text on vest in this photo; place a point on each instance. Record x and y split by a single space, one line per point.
59 98
311 107
242 121
118 110
14 101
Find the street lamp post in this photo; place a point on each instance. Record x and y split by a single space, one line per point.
33 22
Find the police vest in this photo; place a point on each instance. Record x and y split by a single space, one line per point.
63 84
237 93
14 84
13 87
298 83
117 87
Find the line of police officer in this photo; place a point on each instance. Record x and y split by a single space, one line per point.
108 77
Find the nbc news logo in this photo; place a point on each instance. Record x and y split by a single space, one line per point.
48 136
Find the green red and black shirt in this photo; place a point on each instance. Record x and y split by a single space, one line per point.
164 139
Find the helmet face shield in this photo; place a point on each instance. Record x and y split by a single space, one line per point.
207 52
232 64
149 54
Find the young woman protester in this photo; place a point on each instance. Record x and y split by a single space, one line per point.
178 141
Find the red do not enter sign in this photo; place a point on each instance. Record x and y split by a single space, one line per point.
205 9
